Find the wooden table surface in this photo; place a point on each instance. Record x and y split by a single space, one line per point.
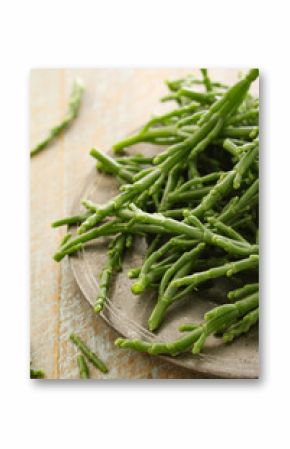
115 102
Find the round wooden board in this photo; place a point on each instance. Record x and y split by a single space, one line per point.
128 314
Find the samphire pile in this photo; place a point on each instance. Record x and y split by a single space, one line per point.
196 202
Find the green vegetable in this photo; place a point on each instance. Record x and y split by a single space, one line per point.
242 326
243 291
111 166
167 290
226 230
73 109
143 281
228 269
107 209
218 319
91 356
195 202
66 238
206 80
83 367
36 373
74 219
114 263
239 206
224 316
200 139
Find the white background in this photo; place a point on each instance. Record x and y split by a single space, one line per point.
207 414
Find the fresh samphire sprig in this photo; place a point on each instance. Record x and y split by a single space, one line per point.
114 263
83 367
218 319
71 114
90 355
36 373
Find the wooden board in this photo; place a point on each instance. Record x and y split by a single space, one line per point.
115 102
